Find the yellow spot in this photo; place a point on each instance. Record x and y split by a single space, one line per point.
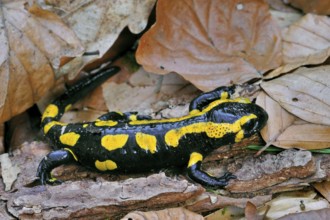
70 138
212 130
120 113
52 180
133 117
105 123
85 125
67 108
239 136
194 158
195 112
48 126
224 95
71 152
146 141
245 119
105 165
113 142
51 111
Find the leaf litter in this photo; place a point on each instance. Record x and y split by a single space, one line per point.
251 56
224 42
26 68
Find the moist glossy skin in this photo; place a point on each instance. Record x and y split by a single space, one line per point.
127 142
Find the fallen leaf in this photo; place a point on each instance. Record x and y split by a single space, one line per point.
228 213
211 43
9 171
321 7
141 93
287 131
304 93
251 212
212 201
306 37
281 6
285 19
166 214
278 118
317 214
293 202
98 23
324 189
26 68
304 135
306 41
81 115
2 135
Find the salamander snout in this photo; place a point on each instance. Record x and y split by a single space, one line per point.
255 124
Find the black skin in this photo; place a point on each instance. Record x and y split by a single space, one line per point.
131 157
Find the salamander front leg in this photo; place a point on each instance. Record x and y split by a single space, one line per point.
196 174
123 117
206 98
49 162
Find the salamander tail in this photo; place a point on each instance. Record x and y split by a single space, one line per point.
56 109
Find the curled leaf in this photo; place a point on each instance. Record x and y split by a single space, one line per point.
279 118
294 202
306 41
304 93
32 43
9 171
98 23
166 214
211 43
312 6
286 131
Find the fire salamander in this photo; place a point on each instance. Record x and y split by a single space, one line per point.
128 142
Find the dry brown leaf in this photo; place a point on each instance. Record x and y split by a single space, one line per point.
279 119
312 6
211 43
293 202
2 138
166 214
285 19
287 131
305 135
98 23
251 212
314 214
227 213
32 42
306 41
324 189
9 171
140 93
281 6
304 93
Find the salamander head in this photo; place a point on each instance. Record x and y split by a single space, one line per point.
248 117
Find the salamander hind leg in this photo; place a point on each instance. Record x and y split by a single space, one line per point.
196 174
49 162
